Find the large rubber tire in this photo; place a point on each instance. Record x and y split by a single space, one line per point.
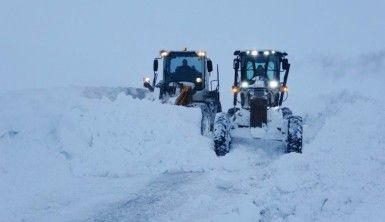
222 137
294 135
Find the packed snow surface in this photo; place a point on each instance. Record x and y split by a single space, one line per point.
117 154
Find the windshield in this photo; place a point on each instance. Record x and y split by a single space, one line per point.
185 67
253 67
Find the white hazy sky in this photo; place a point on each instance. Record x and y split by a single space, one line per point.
112 43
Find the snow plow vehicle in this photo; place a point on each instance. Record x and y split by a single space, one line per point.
186 81
258 94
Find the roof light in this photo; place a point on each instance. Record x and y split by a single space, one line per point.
163 53
201 53
254 52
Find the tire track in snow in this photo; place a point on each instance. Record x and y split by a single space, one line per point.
162 195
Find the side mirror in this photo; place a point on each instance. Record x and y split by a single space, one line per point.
285 64
209 66
236 64
155 66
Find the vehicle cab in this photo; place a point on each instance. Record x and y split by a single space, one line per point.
258 74
184 69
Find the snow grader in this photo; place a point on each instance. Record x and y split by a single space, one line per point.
186 80
258 93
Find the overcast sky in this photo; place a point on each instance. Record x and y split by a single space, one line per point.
112 43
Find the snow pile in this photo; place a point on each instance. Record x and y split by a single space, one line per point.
55 144
128 137
340 175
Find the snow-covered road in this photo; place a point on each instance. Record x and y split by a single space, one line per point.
182 195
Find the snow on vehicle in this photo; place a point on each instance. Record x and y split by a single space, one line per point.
260 93
186 81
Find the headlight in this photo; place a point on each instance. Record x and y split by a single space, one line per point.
273 84
244 84
147 79
198 80
254 53
266 53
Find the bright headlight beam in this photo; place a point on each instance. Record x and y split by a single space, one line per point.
244 84
254 53
198 80
273 84
147 79
266 53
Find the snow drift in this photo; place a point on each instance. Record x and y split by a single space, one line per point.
50 137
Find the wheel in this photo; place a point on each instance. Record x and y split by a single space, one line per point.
294 135
222 138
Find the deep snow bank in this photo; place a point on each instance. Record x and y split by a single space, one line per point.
54 142
340 175
129 136
108 136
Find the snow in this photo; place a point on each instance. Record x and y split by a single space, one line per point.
339 175
118 154
57 139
